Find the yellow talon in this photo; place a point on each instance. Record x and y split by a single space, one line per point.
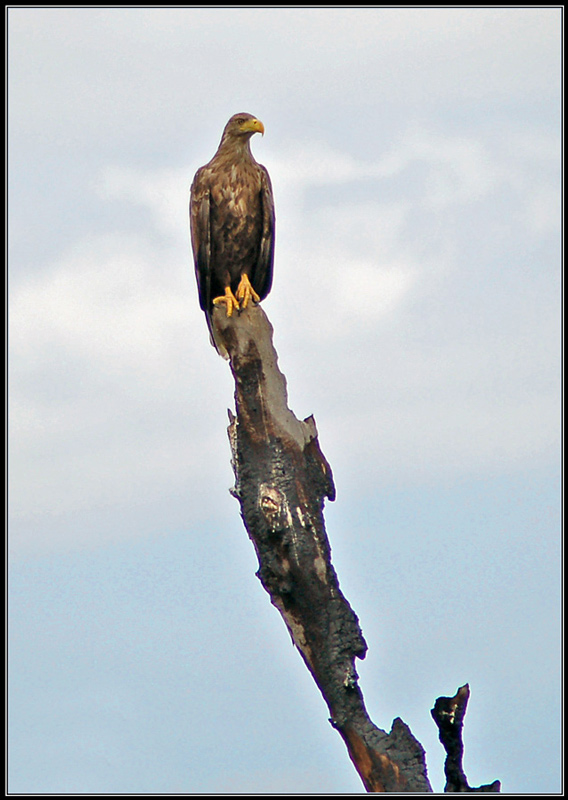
227 299
245 292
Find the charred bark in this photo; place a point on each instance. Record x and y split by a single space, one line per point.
282 480
448 714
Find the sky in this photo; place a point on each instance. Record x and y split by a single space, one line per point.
415 160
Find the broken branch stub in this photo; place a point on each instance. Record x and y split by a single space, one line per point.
448 714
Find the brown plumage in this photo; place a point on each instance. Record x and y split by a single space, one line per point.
232 223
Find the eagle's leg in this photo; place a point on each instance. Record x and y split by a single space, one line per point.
245 292
227 299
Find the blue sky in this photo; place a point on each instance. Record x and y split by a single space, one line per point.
415 160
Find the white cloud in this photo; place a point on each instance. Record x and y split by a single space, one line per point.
110 302
106 352
366 290
164 192
112 72
468 408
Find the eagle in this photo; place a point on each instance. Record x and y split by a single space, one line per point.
232 223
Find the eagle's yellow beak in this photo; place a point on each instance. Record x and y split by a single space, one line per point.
253 125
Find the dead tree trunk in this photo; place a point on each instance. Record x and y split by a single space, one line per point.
281 481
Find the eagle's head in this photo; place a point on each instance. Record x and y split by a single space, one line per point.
242 126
